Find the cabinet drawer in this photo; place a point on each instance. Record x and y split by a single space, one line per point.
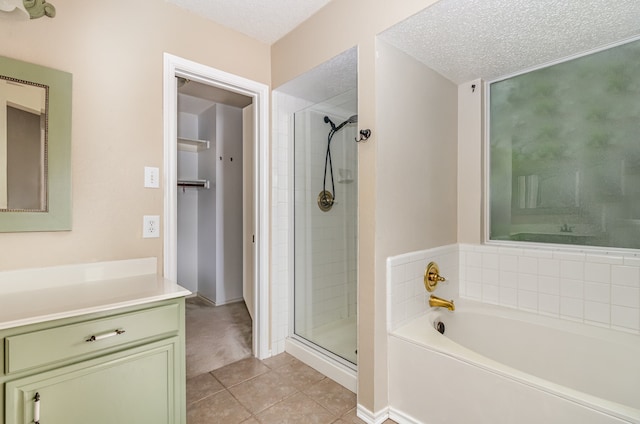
55 344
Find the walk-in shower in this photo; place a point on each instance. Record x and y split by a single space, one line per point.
325 226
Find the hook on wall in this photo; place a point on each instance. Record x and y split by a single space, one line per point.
364 135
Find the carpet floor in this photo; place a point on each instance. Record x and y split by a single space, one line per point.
215 335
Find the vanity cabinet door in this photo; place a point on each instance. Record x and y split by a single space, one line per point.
134 386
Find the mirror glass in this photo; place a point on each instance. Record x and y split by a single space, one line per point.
23 145
35 147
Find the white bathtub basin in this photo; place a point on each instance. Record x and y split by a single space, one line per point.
498 365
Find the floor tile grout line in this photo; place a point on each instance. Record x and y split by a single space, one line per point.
244 381
337 417
267 407
296 391
333 415
241 404
209 394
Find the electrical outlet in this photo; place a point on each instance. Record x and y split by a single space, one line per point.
150 226
151 177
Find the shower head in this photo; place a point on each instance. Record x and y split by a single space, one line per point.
330 122
353 119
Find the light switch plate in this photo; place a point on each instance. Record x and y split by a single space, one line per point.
151 177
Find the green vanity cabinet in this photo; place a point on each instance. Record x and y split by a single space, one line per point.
121 366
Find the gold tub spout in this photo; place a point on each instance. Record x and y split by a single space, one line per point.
435 301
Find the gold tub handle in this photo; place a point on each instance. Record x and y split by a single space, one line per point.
432 276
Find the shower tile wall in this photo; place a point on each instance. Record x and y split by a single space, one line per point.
329 266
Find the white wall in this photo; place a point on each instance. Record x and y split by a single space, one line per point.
228 204
210 221
207 168
248 215
187 207
188 226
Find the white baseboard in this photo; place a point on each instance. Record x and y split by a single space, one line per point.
372 418
211 302
402 418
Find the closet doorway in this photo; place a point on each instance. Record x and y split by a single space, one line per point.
215 229
216 215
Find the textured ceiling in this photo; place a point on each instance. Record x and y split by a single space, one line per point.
464 40
264 20
333 77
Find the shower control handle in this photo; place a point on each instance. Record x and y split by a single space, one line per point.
432 276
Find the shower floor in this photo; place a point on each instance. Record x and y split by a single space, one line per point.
339 337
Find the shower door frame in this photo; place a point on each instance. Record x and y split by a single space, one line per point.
176 66
329 363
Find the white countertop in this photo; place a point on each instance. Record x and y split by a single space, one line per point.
32 306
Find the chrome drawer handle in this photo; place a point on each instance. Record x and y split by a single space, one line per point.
95 338
36 409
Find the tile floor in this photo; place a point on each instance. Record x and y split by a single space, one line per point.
279 390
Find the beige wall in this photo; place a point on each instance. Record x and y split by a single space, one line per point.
114 49
416 168
470 131
343 24
417 155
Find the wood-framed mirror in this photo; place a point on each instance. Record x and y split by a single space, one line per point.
35 147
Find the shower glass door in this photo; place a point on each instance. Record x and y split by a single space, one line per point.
325 228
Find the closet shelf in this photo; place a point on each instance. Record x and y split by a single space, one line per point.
192 145
194 183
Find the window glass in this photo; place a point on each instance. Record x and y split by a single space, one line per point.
564 152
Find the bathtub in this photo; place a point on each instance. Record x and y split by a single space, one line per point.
498 365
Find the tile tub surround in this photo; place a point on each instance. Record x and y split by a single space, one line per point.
595 287
407 298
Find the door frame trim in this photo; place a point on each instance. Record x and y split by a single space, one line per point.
177 66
